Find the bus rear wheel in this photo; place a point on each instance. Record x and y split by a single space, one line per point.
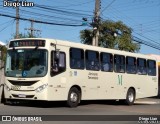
130 98
73 97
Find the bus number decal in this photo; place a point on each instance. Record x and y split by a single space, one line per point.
75 73
120 79
154 79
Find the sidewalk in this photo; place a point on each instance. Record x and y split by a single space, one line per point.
152 100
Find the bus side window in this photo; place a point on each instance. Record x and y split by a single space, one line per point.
106 62
131 65
141 66
119 63
92 60
151 67
76 58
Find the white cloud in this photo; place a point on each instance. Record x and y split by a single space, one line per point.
1 43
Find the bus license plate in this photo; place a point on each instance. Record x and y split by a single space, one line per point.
22 95
16 88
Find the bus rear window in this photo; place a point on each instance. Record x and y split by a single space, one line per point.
151 67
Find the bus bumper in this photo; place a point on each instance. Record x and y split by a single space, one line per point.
38 94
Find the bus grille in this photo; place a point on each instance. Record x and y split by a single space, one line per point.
22 83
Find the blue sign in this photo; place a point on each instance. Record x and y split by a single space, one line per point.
24 73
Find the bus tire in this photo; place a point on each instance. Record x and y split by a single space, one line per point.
73 97
130 97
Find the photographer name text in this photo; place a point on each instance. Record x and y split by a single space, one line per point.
148 120
17 4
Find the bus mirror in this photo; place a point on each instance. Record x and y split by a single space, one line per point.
57 54
61 63
58 61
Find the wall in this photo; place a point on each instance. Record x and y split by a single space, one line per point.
1 82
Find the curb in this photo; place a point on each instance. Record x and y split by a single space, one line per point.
147 101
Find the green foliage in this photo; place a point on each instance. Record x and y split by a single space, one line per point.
3 50
107 38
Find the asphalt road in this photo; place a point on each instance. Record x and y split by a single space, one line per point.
87 112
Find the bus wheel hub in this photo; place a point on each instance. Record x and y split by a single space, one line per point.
73 97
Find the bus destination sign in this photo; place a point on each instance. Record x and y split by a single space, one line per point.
26 43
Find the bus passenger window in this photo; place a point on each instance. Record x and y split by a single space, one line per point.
106 62
92 60
76 58
131 65
141 66
119 63
151 67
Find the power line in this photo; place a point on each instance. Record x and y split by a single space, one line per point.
6 22
155 46
134 22
12 21
47 16
108 5
72 13
61 11
147 38
67 15
38 21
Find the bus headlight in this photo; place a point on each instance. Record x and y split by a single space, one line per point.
7 87
42 87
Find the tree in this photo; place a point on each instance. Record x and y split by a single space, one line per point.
115 35
3 51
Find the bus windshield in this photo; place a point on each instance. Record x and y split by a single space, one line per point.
26 63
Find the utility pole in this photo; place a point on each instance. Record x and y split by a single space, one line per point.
96 23
17 21
32 30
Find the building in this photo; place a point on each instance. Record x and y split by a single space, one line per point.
1 72
1 44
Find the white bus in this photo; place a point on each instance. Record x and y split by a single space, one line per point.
54 70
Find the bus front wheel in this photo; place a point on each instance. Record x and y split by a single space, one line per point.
73 97
130 98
